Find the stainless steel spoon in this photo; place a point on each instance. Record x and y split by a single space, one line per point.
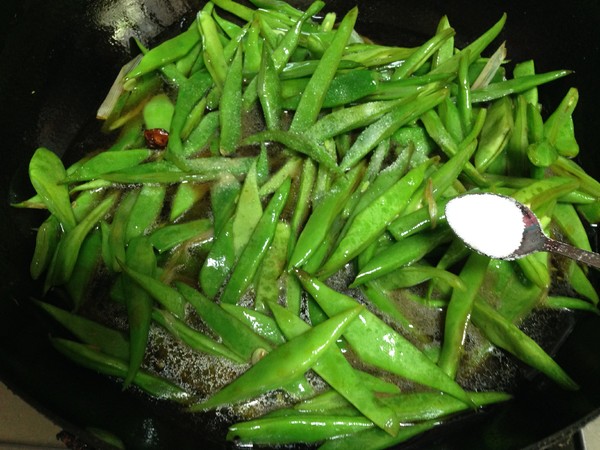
533 238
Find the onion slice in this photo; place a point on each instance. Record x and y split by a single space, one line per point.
116 90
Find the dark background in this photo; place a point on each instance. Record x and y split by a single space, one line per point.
57 60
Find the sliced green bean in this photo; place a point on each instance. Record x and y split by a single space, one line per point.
474 49
65 258
258 244
269 91
193 338
312 98
299 143
46 240
212 48
262 324
235 335
167 296
108 340
88 260
458 312
494 91
47 173
373 220
185 198
169 236
423 53
202 135
306 429
402 253
322 217
219 261
230 112
108 161
378 344
248 212
375 438
388 124
508 336
267 283
158 112
116 238
167 52
580 282
571 303
87 357
285 362
337 371
140 255
495 133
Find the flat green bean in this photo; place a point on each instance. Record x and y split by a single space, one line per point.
378 344
285 362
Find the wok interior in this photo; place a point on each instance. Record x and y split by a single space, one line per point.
58 60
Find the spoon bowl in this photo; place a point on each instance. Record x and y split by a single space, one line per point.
503 228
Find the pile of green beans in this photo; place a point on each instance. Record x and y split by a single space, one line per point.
274 198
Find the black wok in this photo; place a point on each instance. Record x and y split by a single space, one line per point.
57 60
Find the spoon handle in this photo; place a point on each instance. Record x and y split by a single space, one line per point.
589 258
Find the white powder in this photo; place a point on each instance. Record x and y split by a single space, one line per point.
488 223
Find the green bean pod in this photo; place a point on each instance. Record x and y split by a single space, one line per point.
230 104
286 430
258 244
339 374
108 340
285 362
378 344
402 253
140 255
193 338
458 312
262 324
322 217
376 438
169 236
235 335
167 52
508 336
312 98
65 257
47 173
167 296
373 220
88 260
267 282
389 123
111 366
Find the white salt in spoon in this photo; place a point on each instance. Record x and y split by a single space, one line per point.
500 227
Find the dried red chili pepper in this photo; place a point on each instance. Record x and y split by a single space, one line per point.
156 138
